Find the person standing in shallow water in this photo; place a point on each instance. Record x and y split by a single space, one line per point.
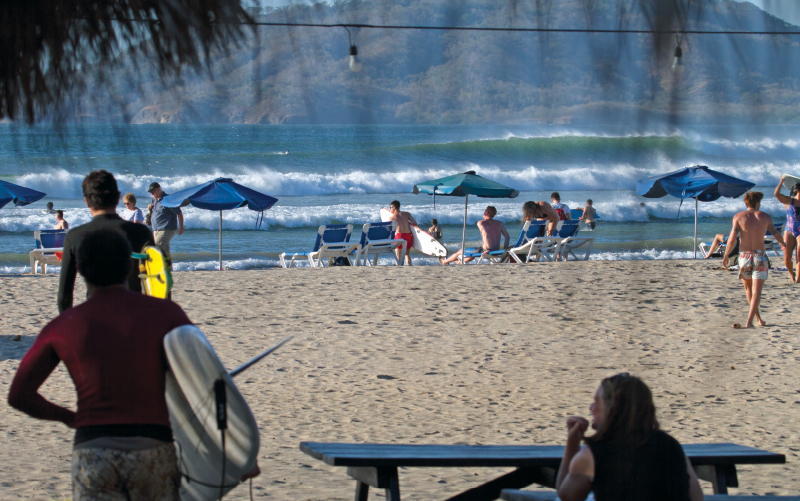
751 227
628 458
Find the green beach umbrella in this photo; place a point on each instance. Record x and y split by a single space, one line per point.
464 185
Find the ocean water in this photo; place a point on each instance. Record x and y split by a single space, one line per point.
345 173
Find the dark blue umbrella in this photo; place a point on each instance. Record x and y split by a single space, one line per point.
698 182
464 185
220 194
18 194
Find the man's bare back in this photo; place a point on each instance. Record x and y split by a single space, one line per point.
491 233
404 221
752 226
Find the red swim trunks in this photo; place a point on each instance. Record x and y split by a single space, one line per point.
408 237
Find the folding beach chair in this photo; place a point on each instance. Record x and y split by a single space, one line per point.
49 248
333 241
378 238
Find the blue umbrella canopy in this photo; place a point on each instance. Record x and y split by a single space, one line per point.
698 182
220 194
20 195
464 185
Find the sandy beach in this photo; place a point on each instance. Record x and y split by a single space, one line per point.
481 354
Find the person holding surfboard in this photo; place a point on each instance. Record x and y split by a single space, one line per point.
491 231
112 346
404 222
101 194
792 230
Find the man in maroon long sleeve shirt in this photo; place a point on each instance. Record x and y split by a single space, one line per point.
112 346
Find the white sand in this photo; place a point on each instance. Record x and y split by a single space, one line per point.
476 354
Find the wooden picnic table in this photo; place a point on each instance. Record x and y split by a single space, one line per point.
375 465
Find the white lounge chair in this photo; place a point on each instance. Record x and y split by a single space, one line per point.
520 252
378 238
333 241
571 243
48 243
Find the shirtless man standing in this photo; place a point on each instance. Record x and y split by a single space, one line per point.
491 231
751 226
404 222
541 210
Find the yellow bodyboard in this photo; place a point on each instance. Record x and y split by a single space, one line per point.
154 272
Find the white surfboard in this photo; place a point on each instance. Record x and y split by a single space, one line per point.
194 368
789 181
423 241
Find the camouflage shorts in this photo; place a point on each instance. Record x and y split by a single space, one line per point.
100 474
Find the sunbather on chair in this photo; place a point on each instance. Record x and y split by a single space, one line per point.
491 231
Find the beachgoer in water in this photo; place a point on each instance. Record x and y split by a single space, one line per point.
628 458
750 227
131 212
404 231
561 209
588 214
112 347
491 231
435 231
792 229
61 223
541 210
101 195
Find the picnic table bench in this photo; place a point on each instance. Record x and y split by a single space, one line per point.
375 465
516 495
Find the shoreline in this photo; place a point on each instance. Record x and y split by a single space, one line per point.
472 354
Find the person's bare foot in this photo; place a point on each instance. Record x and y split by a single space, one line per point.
739 326
761 322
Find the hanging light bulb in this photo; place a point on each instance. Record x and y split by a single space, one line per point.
355 64
677 63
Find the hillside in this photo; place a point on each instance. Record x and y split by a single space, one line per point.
301 75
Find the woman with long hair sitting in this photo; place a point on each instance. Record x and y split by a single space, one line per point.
628 457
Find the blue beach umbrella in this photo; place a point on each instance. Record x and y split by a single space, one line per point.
464 185
18 194
698 182
220 194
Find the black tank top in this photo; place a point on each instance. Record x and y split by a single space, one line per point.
654 471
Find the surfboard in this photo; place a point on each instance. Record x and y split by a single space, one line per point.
156 276
423 241
789 181
193 405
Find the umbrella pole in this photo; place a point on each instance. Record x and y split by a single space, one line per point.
695 227
220 240
464 232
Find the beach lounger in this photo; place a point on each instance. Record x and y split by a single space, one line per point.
549 248
333 240
49 246
520 252
378 238
770 244
570 243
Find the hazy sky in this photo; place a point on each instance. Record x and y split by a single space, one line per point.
788 10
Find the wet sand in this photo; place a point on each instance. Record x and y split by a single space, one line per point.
498 354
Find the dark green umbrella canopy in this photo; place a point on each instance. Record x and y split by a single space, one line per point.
468 183
464 185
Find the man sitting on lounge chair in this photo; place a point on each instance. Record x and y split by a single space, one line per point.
491 231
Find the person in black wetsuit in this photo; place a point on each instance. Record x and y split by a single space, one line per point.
628 458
